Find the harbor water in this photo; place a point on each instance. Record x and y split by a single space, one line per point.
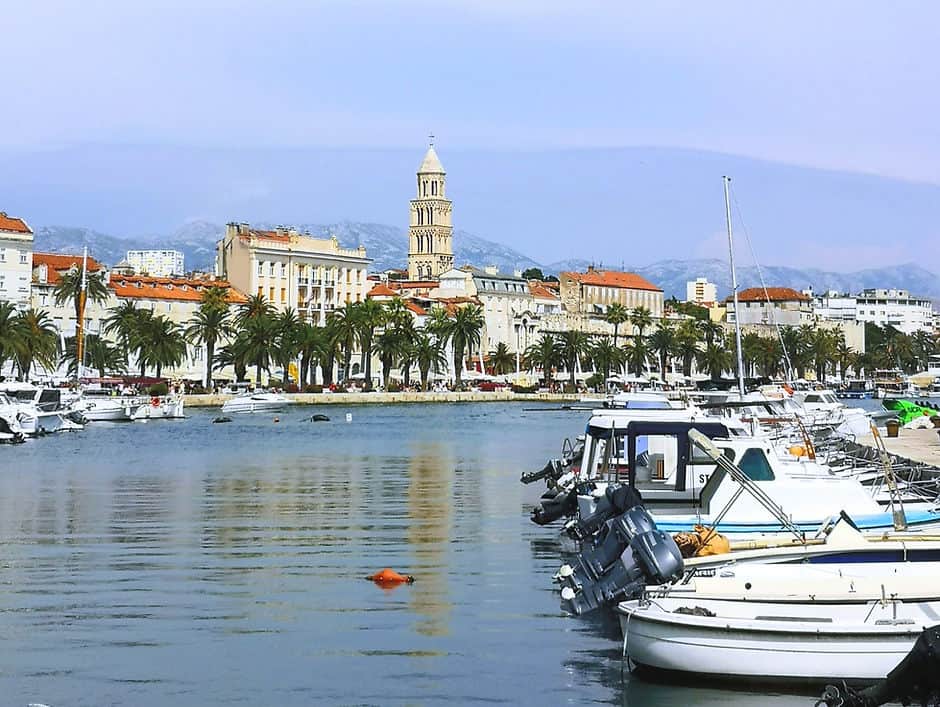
189 563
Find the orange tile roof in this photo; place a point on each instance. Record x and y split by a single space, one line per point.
538 289
13 224
416 308
57 263
613 278
169 288
266 235
774 294
381 290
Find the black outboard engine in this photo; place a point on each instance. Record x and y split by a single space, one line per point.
915 680
554 505
631 555
615 501
552 471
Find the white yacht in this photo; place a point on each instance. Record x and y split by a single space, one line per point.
100 405
169 407
38 410
257 401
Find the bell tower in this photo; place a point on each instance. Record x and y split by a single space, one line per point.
431 233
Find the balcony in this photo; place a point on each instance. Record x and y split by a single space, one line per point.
303 281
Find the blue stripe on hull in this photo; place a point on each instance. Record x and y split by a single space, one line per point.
877 521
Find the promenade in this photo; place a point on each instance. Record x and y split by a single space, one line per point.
918 445
196 401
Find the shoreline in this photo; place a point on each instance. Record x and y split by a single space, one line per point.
212 401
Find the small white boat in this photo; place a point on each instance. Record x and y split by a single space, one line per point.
256 402
758 641
37 410
98 406
157 408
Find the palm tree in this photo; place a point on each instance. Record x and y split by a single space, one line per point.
216 297
687 344
464 332
161 343
606 356
642 319
770 355
712 331
796 349
69 288
845 355
104 357
663 344
8 319
371 315
573 344
209 324
637 354
389 346
234 354
35 340
123 321
256 307
286 326
428 352
546 354
616 314
502 359
330 352
715 359
751 346
345 324
311 340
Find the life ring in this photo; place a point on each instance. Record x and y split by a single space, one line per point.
155 401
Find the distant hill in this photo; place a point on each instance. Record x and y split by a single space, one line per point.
388 247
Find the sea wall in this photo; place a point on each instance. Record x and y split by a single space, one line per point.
393 398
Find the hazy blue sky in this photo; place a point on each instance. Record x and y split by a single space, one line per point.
840 85
849 85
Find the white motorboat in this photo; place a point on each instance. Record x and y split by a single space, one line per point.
851 620
160 408
100 406
257 401
37 410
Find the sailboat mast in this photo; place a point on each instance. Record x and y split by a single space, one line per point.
80 324
734 286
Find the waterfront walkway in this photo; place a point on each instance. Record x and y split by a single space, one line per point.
391 398
917 445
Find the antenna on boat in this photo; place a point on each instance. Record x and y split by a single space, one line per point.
734 287
80 324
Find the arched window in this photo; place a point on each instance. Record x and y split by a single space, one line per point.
434 188
424 188
430 216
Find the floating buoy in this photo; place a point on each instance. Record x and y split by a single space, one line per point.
222 419
389 578
319 418
277 419
348 417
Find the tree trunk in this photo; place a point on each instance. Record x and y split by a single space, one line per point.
458 365
424 377
210 357
304 365
367 355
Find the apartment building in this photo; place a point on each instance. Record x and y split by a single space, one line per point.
16 260
156 263
314 276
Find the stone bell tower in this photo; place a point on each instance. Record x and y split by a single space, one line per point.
431 233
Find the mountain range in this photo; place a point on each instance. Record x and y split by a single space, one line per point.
387 246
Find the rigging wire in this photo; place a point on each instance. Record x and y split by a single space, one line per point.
763 284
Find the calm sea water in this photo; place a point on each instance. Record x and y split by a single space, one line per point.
187 563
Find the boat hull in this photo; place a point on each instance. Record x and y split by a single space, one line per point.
741 649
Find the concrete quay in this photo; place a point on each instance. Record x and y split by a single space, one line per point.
196 401
917 445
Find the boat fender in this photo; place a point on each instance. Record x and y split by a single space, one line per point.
155 401
390 578
319 418
222 419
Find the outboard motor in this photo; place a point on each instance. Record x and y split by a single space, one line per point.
553 470
615 501
554 505
631 555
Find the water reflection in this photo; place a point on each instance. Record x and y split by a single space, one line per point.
430 506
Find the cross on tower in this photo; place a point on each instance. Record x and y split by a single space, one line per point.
431 139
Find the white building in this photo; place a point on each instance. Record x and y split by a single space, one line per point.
834 306
16 260
156 263
895 308
701 291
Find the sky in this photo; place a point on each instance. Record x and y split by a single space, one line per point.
841 86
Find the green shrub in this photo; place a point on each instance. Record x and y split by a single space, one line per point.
158 389
394 387
594 380
313 388
524 388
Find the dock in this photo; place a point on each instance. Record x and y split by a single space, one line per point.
916 445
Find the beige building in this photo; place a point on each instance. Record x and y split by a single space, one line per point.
781 306
16 260
312 275
47 272
701 291
590 293
431 232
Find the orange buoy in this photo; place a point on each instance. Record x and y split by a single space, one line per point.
389 577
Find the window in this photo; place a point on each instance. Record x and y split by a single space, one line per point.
271 269
261 267
24 258
271 293
283 295
260 291
755 465
3 255
283 269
